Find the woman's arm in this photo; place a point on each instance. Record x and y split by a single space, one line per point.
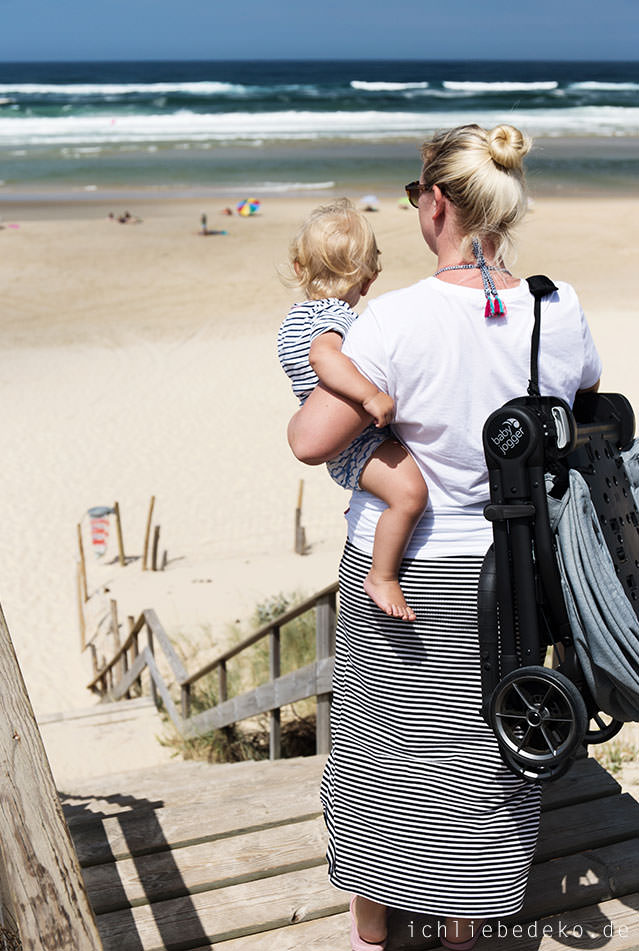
340 374
324 426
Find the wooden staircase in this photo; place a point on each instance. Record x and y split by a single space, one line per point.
194 856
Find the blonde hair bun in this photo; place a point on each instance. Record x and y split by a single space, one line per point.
507 146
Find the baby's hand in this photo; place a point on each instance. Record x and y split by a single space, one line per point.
381 407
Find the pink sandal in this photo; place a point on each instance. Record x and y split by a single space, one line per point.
357 943
467 945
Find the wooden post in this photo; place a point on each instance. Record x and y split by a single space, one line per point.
156 542
154 689
94 658
118 527
83 565
185 694
275 727
147 534
81 621
300 532
325 647
222 682
115 630
40 870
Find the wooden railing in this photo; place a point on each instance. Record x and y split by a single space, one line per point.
40 876
116 678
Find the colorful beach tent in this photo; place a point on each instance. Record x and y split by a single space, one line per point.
248 207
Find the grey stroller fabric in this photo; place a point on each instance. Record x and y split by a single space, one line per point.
604 626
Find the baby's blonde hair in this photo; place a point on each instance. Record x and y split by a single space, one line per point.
333 251
481 172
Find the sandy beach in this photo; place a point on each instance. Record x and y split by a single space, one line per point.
139 360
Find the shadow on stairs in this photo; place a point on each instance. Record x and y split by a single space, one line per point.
197 856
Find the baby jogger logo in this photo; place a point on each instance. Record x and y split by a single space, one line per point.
508 436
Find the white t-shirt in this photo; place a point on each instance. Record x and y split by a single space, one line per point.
448 368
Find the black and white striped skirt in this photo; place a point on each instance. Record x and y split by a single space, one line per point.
421 813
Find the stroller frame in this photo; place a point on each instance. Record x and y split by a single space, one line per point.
541 715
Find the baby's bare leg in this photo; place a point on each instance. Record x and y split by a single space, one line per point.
393 476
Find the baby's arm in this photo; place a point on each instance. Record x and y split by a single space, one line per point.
340 374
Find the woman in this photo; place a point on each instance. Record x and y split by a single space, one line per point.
421 812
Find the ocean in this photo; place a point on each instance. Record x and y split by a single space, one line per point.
285 127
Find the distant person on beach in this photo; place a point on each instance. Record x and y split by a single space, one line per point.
421 811
126 218
335 259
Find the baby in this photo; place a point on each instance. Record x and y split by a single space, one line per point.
335 259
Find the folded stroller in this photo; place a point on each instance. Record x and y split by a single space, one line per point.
562 573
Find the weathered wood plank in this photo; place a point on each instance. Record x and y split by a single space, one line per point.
587 825
563 830
223 913
185 782
195 782
163 690
554 885
177 667
573 881
208 865
273 902
143 832
315 678
585 780
40 870
134 671
321 934
281 621
331 934
612 925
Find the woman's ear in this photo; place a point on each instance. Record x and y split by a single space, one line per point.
439 202
296 267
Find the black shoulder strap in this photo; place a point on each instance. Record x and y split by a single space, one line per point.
540 286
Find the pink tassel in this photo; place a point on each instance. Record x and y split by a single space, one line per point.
494 308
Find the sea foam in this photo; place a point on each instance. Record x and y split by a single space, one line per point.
187 126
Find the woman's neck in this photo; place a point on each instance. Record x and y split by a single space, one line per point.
449 254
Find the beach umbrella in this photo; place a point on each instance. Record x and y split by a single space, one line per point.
248 207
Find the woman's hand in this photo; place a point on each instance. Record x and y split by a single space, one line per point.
324 426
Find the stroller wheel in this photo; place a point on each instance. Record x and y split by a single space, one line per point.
538 715
536 774
602 727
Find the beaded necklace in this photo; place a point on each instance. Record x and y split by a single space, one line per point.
494 305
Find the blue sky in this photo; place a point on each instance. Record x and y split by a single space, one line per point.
357 29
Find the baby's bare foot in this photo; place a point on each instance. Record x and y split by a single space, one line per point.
388 596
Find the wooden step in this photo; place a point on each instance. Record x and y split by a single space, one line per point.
276 902
208 865
191 782
618 916
223 913
244 857
229 813
181 782
241 866
148 831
